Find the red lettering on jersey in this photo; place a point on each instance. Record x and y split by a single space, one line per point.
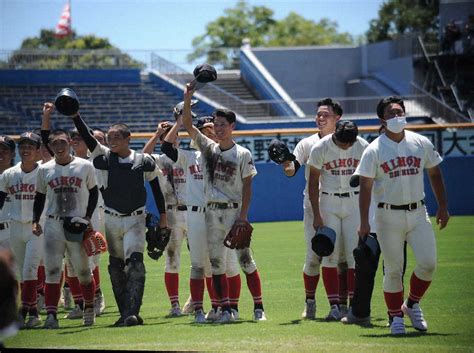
342 163
401 162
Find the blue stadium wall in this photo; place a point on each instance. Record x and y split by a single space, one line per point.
279 198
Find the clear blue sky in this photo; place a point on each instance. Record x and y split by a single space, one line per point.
161 24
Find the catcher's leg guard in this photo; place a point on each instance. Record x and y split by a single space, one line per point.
135 282
119 281
366 264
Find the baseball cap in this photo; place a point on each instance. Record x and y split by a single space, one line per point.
31 137
7 141
204 121
346 131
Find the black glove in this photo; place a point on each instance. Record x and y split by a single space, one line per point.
279 153
157 238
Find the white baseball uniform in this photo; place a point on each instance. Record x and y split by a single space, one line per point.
27 247
67 194
397 170
224 172
173 185
302 152
338 201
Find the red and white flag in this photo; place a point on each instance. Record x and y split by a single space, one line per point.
63 28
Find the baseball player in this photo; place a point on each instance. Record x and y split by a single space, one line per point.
332 162
191 162
393 165
19 183
69 185
328 113
229 170
173 184
122 173
7 155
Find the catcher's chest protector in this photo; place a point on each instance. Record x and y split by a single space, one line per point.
125 190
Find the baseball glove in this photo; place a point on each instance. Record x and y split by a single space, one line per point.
279 153
239 235
157 238
94 242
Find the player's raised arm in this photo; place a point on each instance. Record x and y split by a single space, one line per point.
151 143
85 132
187 116
437 184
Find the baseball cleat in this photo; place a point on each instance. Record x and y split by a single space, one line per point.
214 315
235 313
350 319
75 313
131 320
226 317
51 322
99 304
188 307
398 326
343 309
309 312
259 315
199 317
416 316
33 321
89 317
175 311
334 313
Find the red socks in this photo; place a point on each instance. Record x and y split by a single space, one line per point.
394 303
310 285
235 283
331 283
172 286
197 292
418 288
52 292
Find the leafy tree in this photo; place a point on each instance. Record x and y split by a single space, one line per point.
398 17
75 52
257 24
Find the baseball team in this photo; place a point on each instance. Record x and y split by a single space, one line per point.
361 200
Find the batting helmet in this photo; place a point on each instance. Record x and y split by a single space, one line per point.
323 242
66 102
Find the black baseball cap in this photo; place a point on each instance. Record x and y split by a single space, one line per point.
204 121
346 131
7 141
30 137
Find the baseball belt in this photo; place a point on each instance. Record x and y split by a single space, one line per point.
223 205
407 207
344 194
135 213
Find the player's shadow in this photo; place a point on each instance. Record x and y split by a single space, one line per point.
299 321
409 335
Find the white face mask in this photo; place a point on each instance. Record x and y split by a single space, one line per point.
396 124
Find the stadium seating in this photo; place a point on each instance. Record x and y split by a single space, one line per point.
141 106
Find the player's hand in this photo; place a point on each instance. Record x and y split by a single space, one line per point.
318 221
48 108
36 229
442 217
363 230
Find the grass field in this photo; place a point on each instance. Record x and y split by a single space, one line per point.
279 252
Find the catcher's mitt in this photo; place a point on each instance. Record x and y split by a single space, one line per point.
279 153
94 242
239 235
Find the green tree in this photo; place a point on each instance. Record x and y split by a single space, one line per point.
295 30
256 23
74 52
398 17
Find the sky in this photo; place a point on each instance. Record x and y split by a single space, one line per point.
167 27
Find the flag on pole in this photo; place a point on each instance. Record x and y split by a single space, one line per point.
63 28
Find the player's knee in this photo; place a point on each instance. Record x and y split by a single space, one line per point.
247 263
53 274
426 269
217 265
197 272
392 281
84 276
134 259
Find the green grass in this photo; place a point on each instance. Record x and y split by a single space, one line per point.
279 253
